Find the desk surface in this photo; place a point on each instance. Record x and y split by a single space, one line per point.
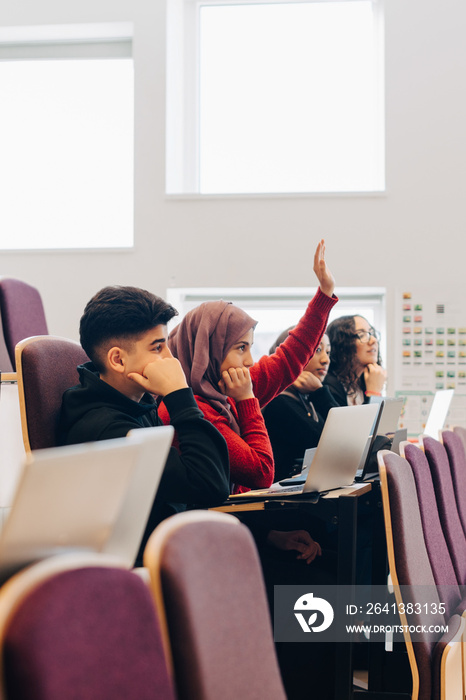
238 506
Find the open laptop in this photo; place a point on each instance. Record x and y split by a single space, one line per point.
337 456
385 425
438 413
90 497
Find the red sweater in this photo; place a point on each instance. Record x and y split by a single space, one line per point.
251 458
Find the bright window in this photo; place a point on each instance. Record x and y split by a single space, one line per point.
278 308
276 97
66 139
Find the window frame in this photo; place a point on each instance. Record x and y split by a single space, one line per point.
106 41
271 298
182 167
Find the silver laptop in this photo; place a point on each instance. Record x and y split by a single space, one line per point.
337 455
90 497
438 413
385 424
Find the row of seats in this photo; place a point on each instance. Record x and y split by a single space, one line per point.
424 497
81 626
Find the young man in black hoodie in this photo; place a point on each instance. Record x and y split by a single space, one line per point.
123 331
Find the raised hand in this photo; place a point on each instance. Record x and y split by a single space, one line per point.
161 377
236 383
325 277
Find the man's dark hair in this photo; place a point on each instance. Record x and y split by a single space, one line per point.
118 314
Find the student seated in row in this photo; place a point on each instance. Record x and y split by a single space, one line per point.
296 417
356 373
213 343
124 332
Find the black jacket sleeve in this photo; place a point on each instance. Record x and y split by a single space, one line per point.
199 472
337 389
323 400
291 432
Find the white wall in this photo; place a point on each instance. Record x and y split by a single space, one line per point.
413 234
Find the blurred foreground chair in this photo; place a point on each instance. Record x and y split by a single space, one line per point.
46 367
22 313
435 660
79 627
207 583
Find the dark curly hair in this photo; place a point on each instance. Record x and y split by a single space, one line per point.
341 333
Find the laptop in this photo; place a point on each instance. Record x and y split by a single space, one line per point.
337 456
385 425
90 497
438 413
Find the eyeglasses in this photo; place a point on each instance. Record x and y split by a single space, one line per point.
364 336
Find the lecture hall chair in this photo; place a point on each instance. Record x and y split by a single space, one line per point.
208 588
437 459
451 590
456 452
22 313
81 626
46 367
436 661
5 362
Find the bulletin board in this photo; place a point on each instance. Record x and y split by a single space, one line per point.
430 354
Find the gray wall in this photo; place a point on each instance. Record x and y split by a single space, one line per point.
412 234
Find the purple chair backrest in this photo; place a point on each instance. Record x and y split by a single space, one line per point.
5 362
461 432
437 548
46 368
446 504
22 313
412 562
88 633
457 458
205 566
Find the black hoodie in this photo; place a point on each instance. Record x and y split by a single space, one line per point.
198 474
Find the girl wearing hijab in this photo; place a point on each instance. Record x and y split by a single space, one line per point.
356 372
213 344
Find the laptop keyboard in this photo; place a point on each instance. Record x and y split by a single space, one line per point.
290 489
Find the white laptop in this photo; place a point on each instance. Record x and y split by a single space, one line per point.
89 497
438 413
337 456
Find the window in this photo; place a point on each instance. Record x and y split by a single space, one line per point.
275 309
275 97
66 138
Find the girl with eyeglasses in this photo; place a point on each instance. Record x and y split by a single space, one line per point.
356 373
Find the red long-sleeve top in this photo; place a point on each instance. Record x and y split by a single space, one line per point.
250 452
